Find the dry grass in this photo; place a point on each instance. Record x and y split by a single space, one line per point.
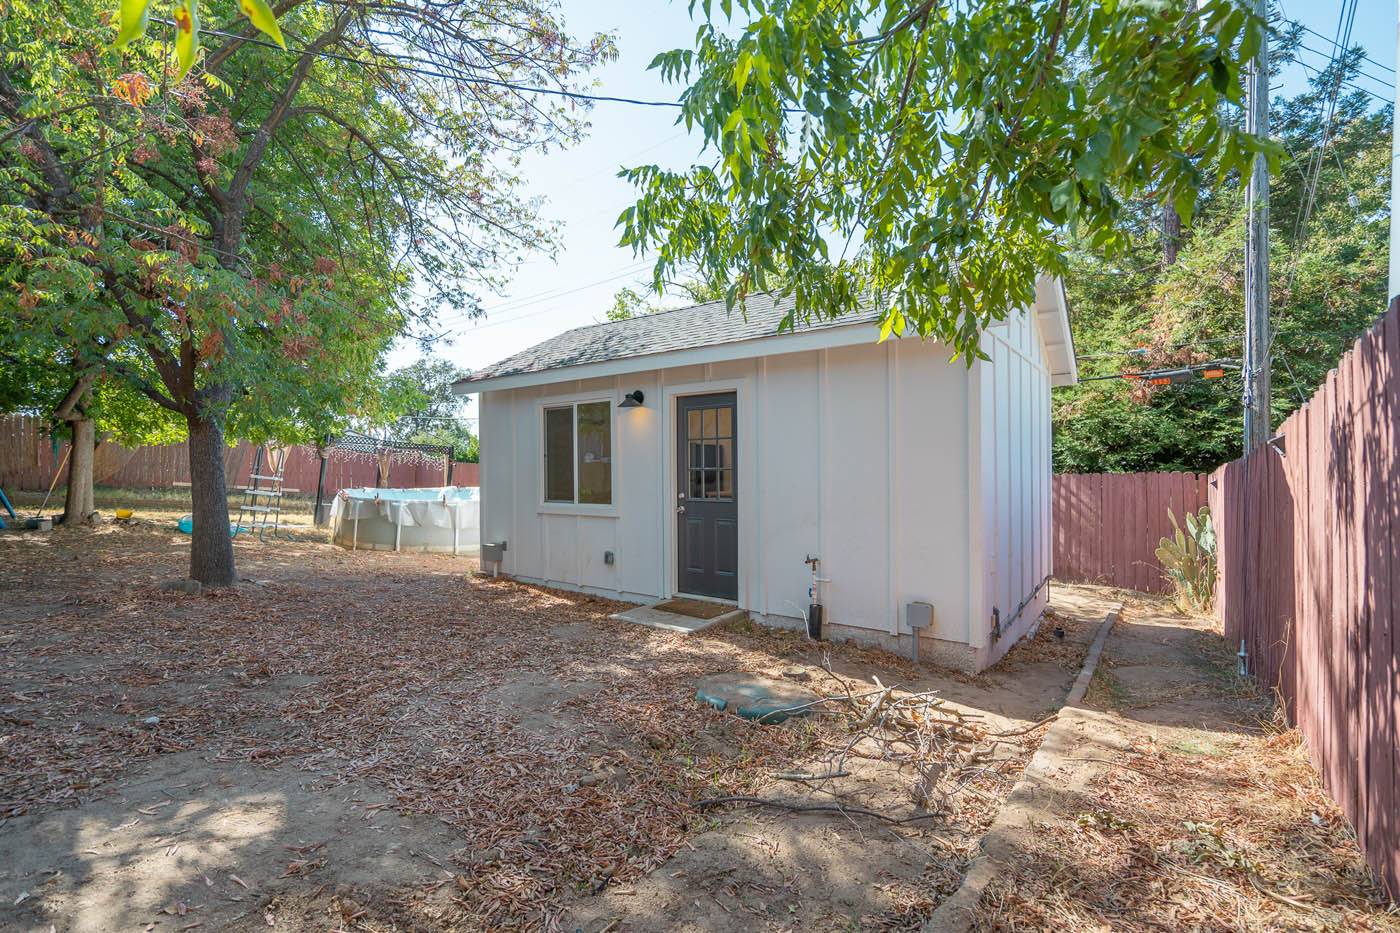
566 748
1067 652
162 506
1235 836
390 675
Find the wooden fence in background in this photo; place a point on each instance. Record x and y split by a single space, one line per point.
1107 525
1309 531
29 459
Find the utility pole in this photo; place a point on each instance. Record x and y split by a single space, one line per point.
1395 186
1257 423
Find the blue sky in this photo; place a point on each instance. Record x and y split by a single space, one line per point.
548 296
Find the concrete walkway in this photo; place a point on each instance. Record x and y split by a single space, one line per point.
654 617
1160 676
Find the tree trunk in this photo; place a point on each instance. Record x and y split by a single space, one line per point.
77 502
1171 235
211 551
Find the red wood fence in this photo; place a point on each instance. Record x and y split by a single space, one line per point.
29 459
1107 525
1309 533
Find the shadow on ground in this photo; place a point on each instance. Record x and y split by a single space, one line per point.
374 741
1181 802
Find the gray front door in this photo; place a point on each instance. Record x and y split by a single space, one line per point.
707 507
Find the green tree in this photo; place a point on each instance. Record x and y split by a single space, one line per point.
432 413
630 302
945 149
245 240
1328 282
70 384
640 298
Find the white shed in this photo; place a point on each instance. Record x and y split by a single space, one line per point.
696 453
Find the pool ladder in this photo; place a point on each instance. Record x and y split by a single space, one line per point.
262 505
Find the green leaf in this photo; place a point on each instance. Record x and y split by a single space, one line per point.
1064 196
1101 143
261 16
133 15
1089 166
1219 76
1249 42
186 14
741 71
1185 204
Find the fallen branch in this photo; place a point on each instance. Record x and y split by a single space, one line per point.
811 777
875 707
804 808
1283 898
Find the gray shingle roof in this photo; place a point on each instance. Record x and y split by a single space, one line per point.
703 325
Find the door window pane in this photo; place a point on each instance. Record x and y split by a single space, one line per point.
726 484
710 490
708 470
559 454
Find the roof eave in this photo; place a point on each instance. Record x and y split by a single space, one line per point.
771 344
1052 309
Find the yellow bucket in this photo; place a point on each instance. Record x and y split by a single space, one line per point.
124 513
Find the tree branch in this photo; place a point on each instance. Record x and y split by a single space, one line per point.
230 230
61 188
923 9
69 403
248 31
139 383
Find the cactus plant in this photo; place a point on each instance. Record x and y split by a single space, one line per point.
1188 559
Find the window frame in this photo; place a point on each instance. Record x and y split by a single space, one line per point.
573 506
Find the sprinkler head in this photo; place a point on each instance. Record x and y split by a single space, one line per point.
1059 633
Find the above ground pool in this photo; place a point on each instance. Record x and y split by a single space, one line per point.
447 518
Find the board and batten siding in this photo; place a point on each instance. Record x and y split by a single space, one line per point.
1012 479
893 465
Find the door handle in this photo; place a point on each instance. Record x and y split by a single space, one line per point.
680 510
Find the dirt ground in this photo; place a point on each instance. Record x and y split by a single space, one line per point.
377 741
1182 803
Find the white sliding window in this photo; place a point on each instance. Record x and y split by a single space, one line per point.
578 453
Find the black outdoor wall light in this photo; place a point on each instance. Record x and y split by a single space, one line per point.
632 399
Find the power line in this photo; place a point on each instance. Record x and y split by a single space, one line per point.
1215 369
1355 87
627 158
1283 358
1307 28
1345 20
550 297
416 68
1364 74
1138 351
525 301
